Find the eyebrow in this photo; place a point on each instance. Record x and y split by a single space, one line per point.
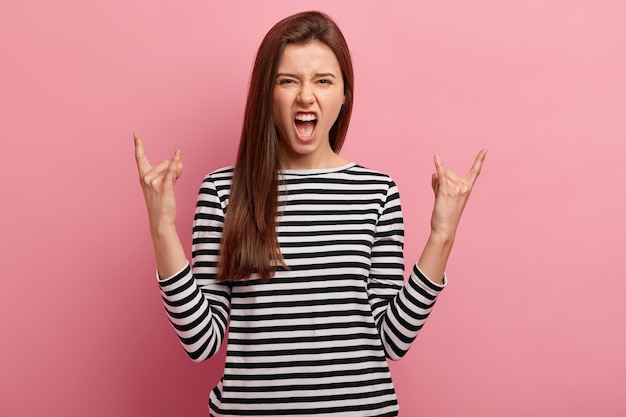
321 75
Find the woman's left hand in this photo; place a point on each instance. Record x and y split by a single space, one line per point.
451 195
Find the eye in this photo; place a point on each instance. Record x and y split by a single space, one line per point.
285 81
325 81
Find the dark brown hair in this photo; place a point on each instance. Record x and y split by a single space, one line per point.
249 241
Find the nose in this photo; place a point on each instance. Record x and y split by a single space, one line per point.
306 95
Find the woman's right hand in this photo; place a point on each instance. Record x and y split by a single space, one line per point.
157 184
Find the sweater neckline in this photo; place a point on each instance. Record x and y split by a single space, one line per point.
316 171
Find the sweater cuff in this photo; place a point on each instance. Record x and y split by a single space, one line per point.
174 278
428 282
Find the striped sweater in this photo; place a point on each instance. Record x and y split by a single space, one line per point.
312 341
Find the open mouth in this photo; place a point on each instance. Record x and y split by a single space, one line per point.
305 125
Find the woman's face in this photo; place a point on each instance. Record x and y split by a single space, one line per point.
307 99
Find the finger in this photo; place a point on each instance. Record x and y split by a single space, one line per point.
172 169
474 171
156 173
444 177
179 171
140 156
439 167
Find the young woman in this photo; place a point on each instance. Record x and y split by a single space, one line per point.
297 250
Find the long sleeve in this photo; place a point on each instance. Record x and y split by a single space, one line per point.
196 304
400 309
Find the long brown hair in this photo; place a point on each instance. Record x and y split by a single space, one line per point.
249 240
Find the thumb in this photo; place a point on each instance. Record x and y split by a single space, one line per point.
435 182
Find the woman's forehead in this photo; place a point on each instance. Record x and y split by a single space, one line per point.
308 57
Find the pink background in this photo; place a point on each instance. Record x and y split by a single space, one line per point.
533 321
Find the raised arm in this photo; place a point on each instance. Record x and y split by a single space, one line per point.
401 309
451 195
157 184
197 306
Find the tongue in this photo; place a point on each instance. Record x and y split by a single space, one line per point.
305 129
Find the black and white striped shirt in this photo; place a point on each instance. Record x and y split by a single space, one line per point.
313 341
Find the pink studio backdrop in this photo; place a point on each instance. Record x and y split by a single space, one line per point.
533 320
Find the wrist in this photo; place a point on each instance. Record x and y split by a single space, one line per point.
162 231
444 237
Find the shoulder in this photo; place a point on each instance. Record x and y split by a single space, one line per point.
366 174
220 174
379 181
363 170
219 178
216 184
356 179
